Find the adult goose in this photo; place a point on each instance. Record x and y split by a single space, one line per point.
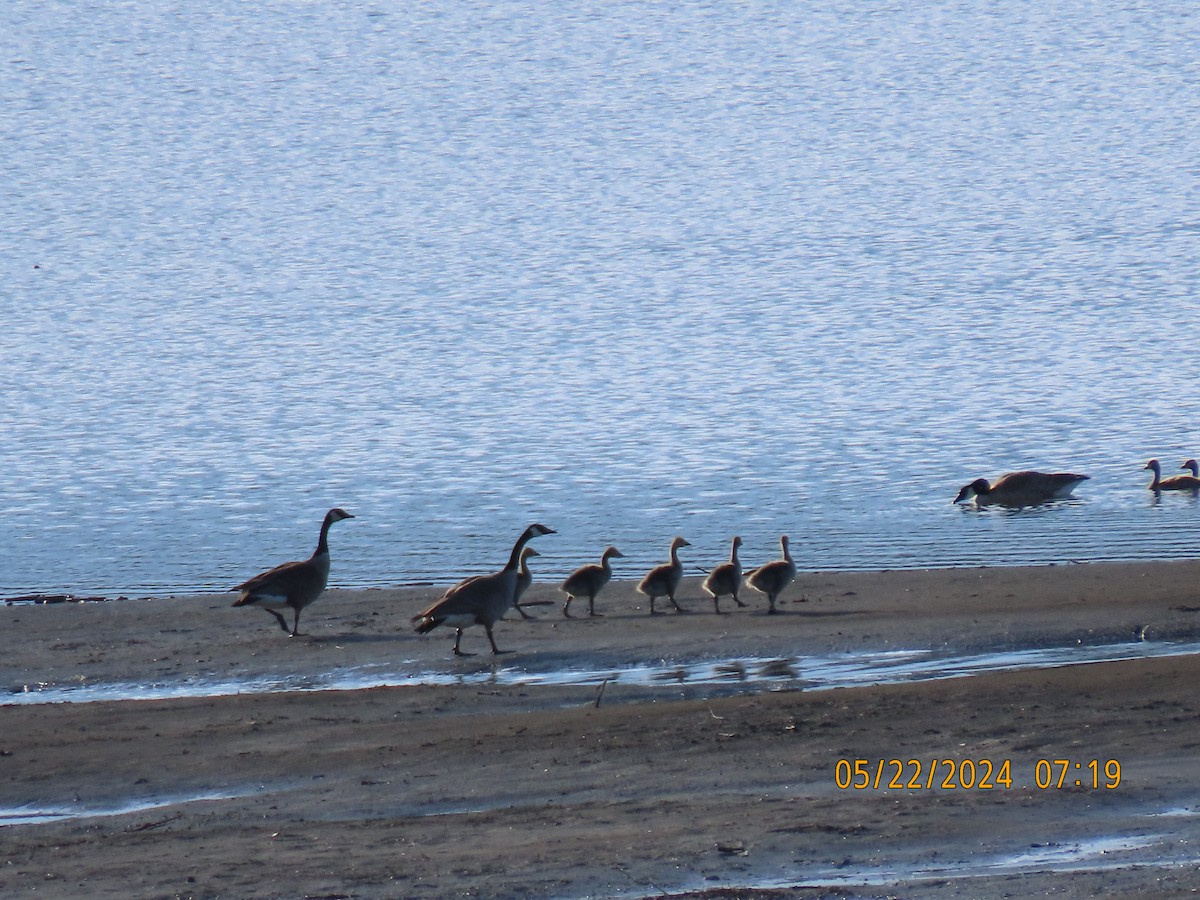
524 580
664 580
725 578
482 600
771 578
292 585
587 581
1021 488
1175 482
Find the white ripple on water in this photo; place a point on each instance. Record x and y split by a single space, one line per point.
35 814
1092 854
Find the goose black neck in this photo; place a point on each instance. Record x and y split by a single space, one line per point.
323 542
515 558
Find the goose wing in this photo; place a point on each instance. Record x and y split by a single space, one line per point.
722 578
285 580
658 577
477 599
1022 488
776 572
582 578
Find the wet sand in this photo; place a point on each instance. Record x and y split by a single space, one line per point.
500 789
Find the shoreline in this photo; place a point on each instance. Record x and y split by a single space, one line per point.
967 610
694 572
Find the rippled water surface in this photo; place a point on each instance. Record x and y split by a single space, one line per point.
628 269
813 673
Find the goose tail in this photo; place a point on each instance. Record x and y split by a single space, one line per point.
425 624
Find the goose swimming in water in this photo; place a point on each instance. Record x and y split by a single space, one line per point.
293 585
1175 482
524 580
725 578
664 580
482 600
588 581
771 578
1021 488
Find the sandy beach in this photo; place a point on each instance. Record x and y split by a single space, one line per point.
254 775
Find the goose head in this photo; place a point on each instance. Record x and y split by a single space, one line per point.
612 553
1153 466
679 542
336 515
978 486
1193 466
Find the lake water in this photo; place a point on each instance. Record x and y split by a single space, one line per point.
628 269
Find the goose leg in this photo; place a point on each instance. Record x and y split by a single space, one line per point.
524 615
567 607
457 638
495 650
296 624
772 609
717 604
678 608
739 602
652 612
592 607
280 619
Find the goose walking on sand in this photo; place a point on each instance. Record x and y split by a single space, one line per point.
725 578
664 580
1175 482
587 581
482 600
292 585
524 580
1021 488
771 578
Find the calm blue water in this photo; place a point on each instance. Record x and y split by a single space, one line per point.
624 269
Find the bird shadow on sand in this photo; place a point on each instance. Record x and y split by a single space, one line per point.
784 609
811 613
357 637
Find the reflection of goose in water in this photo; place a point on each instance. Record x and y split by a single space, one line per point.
482 600
1175 482
664 580
1021 488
